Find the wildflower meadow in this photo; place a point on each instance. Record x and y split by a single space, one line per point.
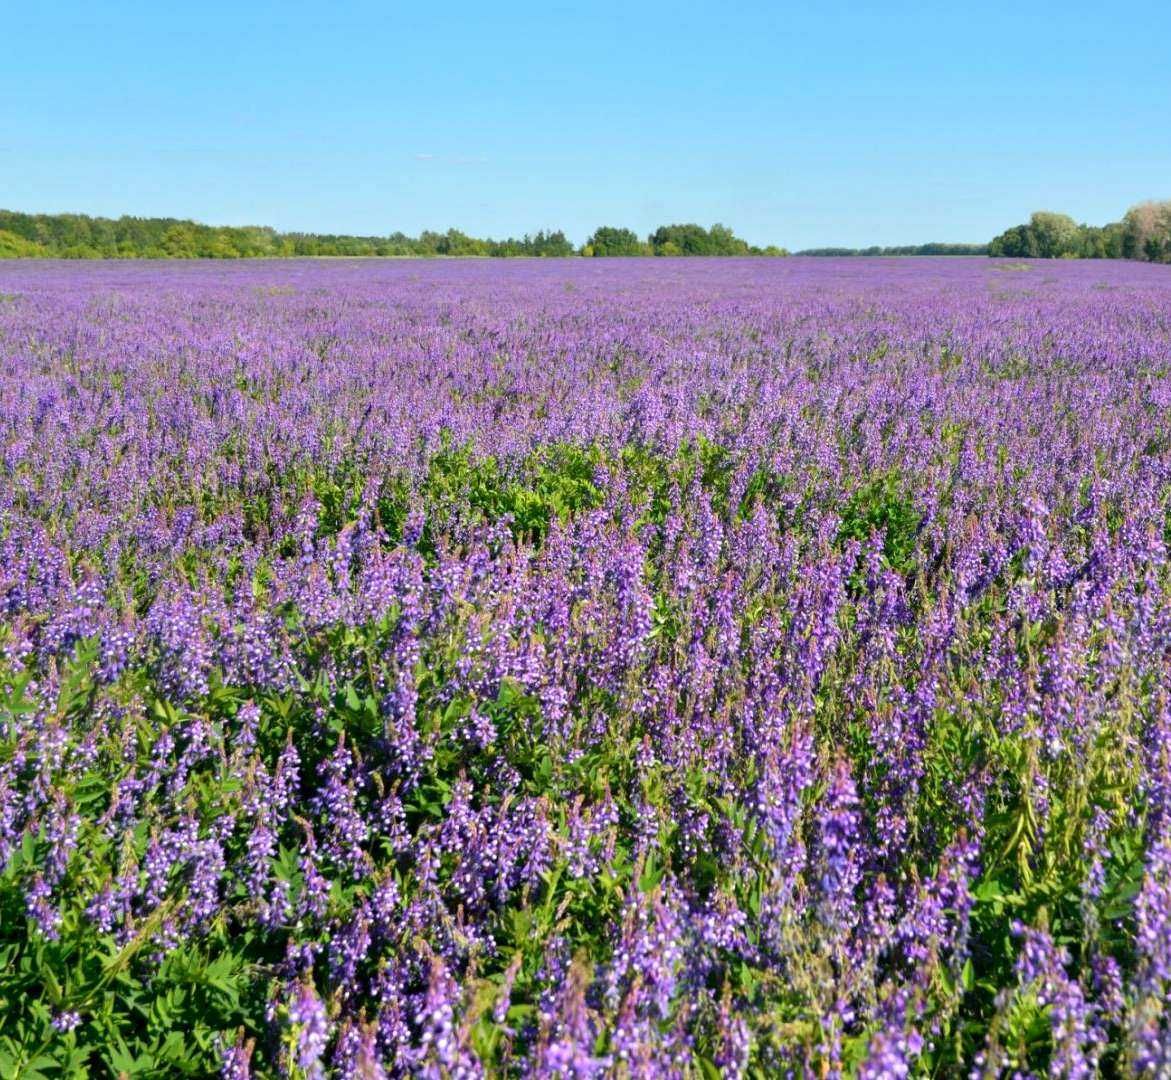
574 668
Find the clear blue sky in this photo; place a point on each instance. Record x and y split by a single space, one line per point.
818 123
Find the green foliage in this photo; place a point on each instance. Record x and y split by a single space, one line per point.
1017 242
696 240
883 505
1046 236
17 247
1144 233
555 482
608 241
78 236
542 245
1056 234
139 1017
81 236
934 248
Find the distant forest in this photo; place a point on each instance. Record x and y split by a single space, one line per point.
79 236
1143 233
907 249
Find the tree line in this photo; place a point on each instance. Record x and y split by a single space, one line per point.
80 236
671 240
1143 233
935 248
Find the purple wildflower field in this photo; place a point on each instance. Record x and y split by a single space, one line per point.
651 668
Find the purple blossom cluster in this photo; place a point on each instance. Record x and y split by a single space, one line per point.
718 668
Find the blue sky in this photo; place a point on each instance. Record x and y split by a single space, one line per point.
819 123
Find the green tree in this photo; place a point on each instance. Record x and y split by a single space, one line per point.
689 239
610 241
722 241
17 247
1056 234
454 242
178 242
692 239
1018 242
554 245
1146 231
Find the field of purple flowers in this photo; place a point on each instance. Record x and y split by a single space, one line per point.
649 669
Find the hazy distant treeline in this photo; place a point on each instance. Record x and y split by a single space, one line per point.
1143 233
79 236
906 249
